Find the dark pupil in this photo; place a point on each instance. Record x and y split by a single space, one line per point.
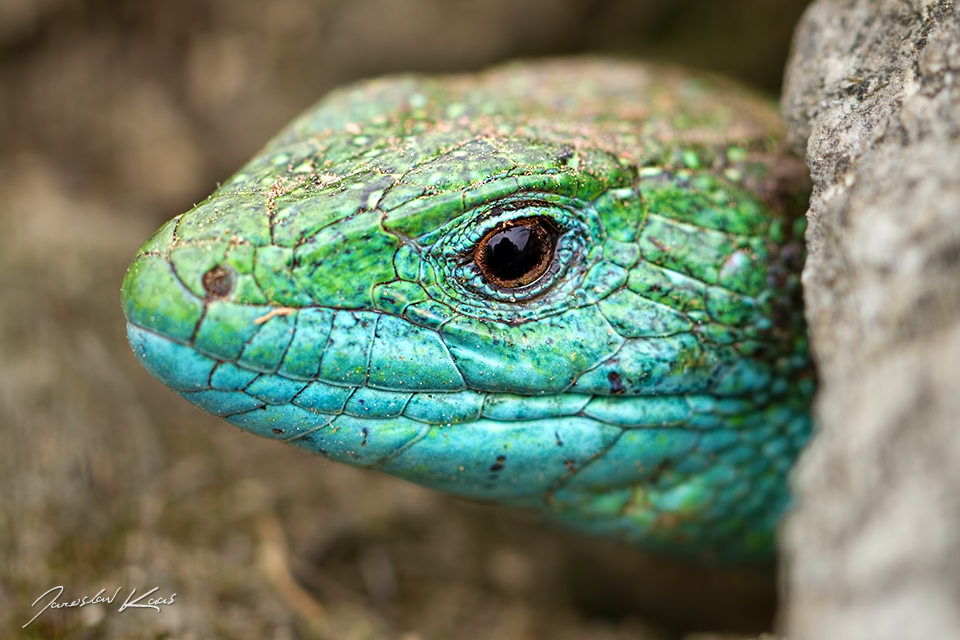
517 255
510 253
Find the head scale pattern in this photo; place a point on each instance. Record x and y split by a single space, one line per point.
650 384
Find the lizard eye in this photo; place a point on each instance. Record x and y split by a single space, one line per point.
518 252
515 256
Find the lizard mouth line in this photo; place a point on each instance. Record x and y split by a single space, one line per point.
193 374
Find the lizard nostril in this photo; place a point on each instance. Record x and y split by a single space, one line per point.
218 282
518 253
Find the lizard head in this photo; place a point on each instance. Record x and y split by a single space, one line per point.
550 285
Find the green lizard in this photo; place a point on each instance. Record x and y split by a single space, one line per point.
571 286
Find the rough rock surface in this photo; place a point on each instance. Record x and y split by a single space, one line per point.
873 549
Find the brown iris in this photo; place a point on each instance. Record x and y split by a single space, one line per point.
518 252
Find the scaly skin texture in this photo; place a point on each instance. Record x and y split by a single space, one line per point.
653 385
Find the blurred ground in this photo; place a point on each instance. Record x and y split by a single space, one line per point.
116 115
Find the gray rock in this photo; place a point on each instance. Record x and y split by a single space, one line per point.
873 547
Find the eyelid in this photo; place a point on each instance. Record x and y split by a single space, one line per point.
468 235
452 254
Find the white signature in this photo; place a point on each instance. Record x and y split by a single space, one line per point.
152 603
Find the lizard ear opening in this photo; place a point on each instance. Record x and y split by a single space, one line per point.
518 252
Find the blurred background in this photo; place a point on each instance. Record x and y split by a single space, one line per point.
116 115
